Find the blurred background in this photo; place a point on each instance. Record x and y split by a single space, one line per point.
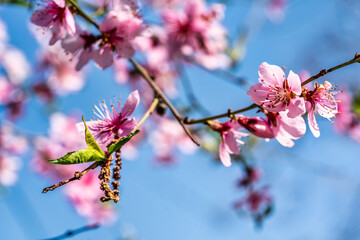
314 186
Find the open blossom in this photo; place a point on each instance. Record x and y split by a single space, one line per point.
322 100
277 93
60 72
114 123
81 46
286 129
119 28
166 138
195 34
56 16
229 139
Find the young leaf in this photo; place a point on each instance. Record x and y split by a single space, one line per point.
90 140
81 156
122 142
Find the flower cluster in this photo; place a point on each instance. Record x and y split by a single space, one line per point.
283 100
117 31
257 201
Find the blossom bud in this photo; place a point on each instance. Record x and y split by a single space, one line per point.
257 126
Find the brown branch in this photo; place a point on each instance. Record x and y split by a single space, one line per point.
161 95
325 71
74 232
227 114
77 176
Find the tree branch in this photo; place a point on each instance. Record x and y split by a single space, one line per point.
325 71
160 93
77 176
74 232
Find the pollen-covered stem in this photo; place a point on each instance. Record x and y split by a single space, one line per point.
82 13
77 176
160 93
325 71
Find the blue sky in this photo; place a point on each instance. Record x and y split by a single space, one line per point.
315 184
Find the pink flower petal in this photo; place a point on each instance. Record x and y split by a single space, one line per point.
69 22
271 74
294 83
230 142
296 107
41 18
130 104
224 155
103 58
313 124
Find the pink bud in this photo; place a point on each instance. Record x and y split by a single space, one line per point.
257 126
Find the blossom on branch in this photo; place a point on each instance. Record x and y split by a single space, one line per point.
322 100
229 139
277 93
119 28
56 16
286 129
112 123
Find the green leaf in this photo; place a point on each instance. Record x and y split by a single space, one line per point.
81 156
90 140
122 142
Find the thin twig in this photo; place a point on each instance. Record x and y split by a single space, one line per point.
227 114
160 93
148 113
326 71
77 176
323 72
83 14
74 232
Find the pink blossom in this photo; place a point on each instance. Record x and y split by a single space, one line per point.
166 138
56 16
63 137
61 74
275 10
119 28
9 166
113 123
195 34
255 201
85 195
346 118
6 90
322 100
257 126
81 46
10 142
229 139
286 129
12 60
277 93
